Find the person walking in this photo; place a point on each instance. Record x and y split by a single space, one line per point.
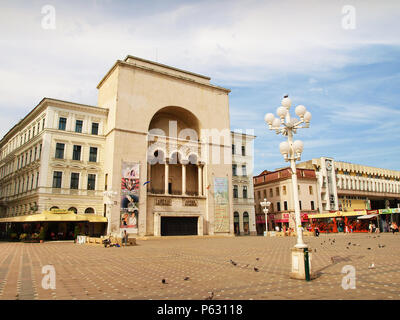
124 237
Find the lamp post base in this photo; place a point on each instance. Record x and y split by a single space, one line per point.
301 264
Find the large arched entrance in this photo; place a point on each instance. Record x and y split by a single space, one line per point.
175 171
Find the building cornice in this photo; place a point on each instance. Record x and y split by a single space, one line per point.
143 68
45 102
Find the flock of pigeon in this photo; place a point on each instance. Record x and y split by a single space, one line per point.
348 246
211 296
331 242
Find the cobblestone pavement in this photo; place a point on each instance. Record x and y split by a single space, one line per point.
94 272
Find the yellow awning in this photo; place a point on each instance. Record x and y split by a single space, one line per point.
94 217
56 216
337 214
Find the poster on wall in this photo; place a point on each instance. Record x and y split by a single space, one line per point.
221 198
130 187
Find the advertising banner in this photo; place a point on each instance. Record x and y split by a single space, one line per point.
221 198
130 187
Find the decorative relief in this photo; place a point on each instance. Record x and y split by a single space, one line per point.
163 202
190 203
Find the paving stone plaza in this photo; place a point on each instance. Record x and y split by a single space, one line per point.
193 267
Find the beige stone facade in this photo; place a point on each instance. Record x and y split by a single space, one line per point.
173 124
243 194
347 187
277 188
29 160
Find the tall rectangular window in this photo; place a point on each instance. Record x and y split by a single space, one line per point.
300 205
235 191
243 150
105 181
32 179
57 177
91 182
40 150
285 205
310 189
233 149
30 156
312 205
74 180
62 123
37 179
95 128
78 126
43 124
60 150
234 170
245 192
244 171
93 154
38 127
277 191
76 154
271 192
278 206
35 153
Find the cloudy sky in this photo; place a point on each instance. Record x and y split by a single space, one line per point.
342 63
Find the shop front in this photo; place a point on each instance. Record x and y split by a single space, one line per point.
53 225
340 221
260 223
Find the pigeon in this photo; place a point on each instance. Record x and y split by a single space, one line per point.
186 278
347 247
255 269
163 281
211 296
315 250
372 266
369 248
257 259
233 262
349 243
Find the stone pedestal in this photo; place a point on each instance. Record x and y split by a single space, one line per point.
298 264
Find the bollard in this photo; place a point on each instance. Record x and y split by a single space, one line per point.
306 264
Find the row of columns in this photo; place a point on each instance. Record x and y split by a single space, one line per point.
166 178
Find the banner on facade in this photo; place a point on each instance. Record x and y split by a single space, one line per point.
221 199
130 187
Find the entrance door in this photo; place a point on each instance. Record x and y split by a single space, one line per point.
178 226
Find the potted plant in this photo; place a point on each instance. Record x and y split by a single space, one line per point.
35 237
23 236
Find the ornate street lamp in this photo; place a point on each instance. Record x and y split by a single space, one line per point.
291 151
265 204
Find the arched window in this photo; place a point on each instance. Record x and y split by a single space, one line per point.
54 208
89 210
73 209
236 222
246 222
